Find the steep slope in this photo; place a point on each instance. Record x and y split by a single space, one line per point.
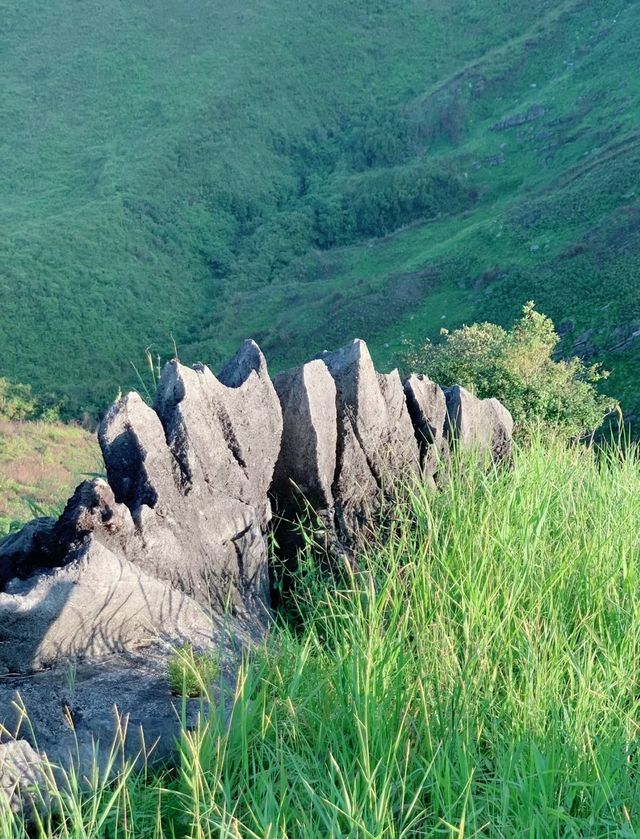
208 171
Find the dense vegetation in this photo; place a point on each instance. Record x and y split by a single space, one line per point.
211 170
477 676
518 367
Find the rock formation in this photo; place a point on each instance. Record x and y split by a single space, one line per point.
482 425
173 547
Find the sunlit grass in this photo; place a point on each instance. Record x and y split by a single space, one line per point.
476 676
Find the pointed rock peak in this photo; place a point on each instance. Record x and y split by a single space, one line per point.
249 359
346 357
135 452
172 386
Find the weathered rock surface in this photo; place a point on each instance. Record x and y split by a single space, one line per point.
195 473
307 461
24 778
18 549
483 425
121 703
96 605
175 538
347 439
172 549
427 406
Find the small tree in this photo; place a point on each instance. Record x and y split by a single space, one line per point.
518 367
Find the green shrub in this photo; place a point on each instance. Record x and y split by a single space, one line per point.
518 367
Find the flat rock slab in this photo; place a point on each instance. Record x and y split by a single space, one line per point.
122 703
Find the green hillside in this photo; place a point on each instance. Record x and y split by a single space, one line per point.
205 171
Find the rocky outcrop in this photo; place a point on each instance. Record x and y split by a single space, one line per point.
173 547
347 439
176 536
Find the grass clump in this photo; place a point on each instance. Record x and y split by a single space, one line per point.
191 673
476 676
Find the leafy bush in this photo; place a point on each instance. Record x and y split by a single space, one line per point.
518 367
17 403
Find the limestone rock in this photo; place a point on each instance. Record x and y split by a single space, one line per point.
123 702
17 550
176 538
482 425
347 440
307 460
427 407
96 605
376 442
195 473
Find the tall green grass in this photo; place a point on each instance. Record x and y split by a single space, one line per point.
478 675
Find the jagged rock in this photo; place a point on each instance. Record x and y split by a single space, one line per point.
176 537
18 549
173 549
376 441
24 780
483 425
95 605
427 406
307 460
347 438
195 473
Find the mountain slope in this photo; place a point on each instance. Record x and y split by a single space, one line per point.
206 171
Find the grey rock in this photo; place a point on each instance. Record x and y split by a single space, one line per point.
97 604
522 118
18 548
348 441
481 425
195 473
427 407
376 441
117 709
24 780
307 461
176 538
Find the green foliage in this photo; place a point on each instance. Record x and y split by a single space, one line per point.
476 677
18 403
519 368
192 673
307 177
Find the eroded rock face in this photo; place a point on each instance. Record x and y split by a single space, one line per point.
172 549
427 406
175 538
307 461
481 425
178 534
195 473
347 439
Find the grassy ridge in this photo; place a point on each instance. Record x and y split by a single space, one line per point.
209 171
477 676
